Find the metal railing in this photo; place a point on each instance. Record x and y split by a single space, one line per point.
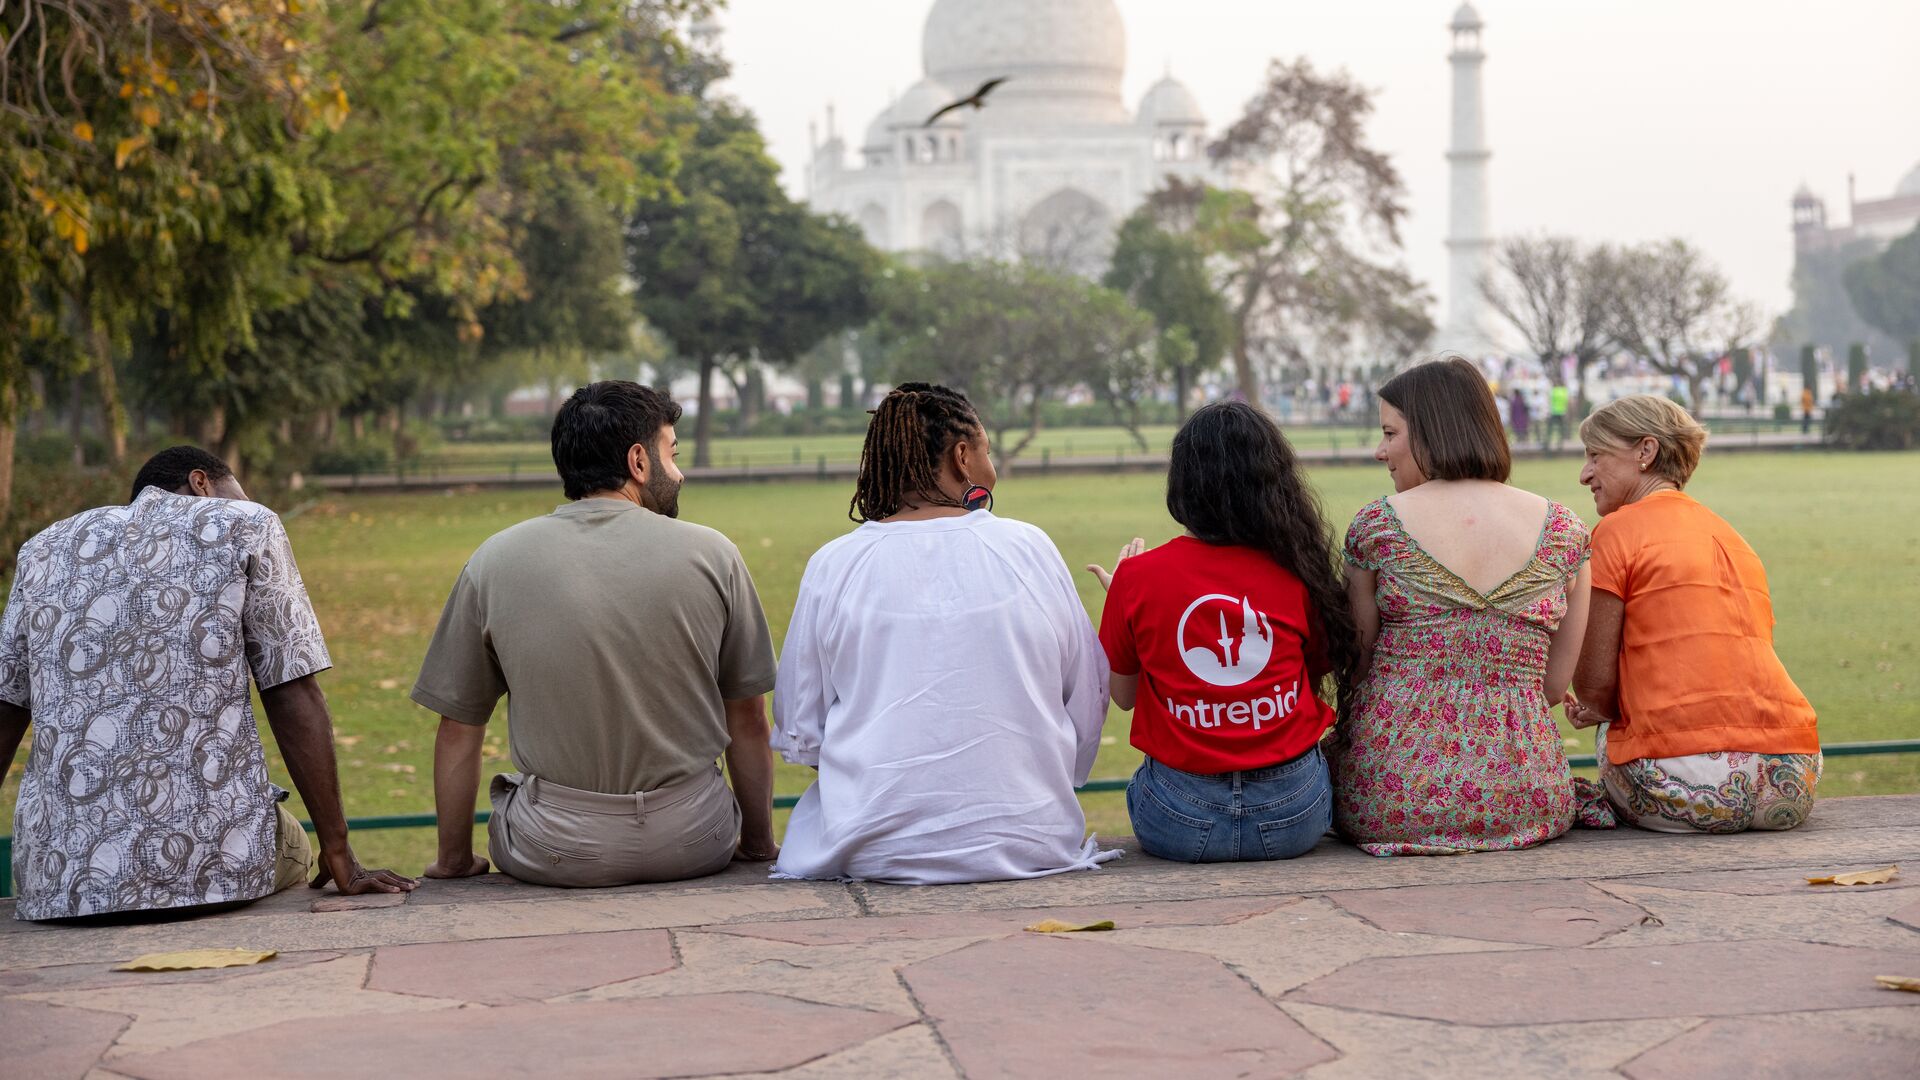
786 802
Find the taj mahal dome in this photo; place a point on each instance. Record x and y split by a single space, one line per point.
1047 169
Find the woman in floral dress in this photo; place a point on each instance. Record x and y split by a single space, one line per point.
1472 629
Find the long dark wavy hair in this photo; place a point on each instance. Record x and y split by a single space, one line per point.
1233 479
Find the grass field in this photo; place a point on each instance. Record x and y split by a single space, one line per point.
1837 533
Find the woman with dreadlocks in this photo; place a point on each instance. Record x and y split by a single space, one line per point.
1223 642
940 673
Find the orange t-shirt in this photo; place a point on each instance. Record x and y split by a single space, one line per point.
1697 668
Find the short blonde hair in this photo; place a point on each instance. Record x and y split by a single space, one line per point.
1622 423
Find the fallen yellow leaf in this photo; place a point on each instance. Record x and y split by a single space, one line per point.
1898 982
83 131
1055 926
196 959
1862 877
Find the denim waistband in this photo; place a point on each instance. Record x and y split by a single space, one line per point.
1251 776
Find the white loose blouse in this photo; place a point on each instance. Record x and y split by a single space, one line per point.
944 678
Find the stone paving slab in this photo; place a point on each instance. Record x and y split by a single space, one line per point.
1776 1046
1603 954
504 971
1557 986
1043 1006
688 1036
1523 913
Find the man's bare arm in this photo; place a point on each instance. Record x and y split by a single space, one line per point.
456 784
13 727
297 713
750 767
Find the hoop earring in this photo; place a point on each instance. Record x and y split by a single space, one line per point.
977 498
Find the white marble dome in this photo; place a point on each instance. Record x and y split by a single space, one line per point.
922 100
1169 103
1910 183
1063 59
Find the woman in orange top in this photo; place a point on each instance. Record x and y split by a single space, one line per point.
1700 727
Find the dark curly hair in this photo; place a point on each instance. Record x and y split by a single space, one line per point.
1233 479
912 428
596 427
168 470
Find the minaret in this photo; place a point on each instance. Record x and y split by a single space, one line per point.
1469 232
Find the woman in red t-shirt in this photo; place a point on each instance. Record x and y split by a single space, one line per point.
1224 638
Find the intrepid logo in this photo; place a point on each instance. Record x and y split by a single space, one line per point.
1261 710
1220 655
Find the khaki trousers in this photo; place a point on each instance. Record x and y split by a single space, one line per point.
293 864
547 834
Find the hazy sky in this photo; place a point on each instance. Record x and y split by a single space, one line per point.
1621 120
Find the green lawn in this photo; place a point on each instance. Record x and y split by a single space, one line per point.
1836 531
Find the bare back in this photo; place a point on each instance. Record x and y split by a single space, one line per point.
1484 532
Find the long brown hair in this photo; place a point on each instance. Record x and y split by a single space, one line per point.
1453 426
912 429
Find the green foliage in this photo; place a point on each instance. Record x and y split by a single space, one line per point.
1885 289
1165 274
729 268
1875 420
1011 335
46 491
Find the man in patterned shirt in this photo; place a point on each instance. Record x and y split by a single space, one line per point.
128 642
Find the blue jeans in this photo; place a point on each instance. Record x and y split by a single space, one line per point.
1272 813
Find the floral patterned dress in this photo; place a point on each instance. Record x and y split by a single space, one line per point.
1449 747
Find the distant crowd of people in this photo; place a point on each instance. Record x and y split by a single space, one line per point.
939 670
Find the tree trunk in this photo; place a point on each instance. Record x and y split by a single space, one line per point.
703 420
113 414
9 407
77 418
1182 390
211 429
1244 375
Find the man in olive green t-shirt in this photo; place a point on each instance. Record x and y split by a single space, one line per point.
633 653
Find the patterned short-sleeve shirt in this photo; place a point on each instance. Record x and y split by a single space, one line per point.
129 636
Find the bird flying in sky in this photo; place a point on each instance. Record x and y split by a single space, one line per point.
978 100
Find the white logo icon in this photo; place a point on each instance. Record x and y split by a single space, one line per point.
1228 660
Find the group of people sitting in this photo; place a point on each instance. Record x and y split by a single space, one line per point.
939 669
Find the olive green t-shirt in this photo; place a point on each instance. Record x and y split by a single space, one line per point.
616 635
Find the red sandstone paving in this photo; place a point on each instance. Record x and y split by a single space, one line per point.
53 1041
1567 913
1908 916
1009 921
697 1035
1775 1047
99 976
1038 1006
1772 882
367 902
1550 986
505 971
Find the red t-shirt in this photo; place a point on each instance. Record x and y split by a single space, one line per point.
1227 649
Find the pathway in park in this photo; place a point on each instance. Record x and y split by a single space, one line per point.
1602 954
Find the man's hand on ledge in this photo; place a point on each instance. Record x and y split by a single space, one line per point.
352 879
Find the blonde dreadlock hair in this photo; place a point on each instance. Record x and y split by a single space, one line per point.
912 429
